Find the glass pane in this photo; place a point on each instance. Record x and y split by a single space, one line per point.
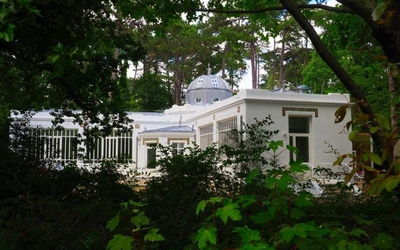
299 124
302 146
151 157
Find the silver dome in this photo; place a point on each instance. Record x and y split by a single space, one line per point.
207 89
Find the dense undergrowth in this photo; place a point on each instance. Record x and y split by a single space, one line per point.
195 203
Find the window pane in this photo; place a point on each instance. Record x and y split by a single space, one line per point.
151 157
302 146
299 124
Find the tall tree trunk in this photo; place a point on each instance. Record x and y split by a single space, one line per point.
272 82
281 66
253 58
177 81
224 55
116 55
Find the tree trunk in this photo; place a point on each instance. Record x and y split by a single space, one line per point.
177 81
273 70
253 58
223 66
282 58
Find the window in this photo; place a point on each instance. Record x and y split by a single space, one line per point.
118 145
54 144
178 148
299 136
214 82
199 83
225 133
215 99
198 100
151 155
206 136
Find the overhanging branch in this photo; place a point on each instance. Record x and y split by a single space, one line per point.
299 6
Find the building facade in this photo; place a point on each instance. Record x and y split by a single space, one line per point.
211 111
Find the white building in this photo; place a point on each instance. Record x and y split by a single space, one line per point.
304 120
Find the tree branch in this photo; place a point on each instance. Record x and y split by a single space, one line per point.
300 6
331 61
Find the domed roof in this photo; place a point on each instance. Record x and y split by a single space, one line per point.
207 89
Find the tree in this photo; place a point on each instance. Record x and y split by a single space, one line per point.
183 49
149 93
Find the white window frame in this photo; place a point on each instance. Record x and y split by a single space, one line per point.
225 128
214 82
149 144
119 145
206 134
294 136
199 83
61 145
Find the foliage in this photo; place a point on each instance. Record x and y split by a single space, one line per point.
46 208
149 93
379 178
184 180
360 58
282 220
139 236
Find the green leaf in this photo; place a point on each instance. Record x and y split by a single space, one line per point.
113 223
120 242
287 234
358 232
303 200
275 145
301 229
8 33
251 176
375 158
137 204
201 206
291 148
214 200
248 235
246 200
206 235
140 220
383 121
383 241
261 218
296 213
391 183
53 59
298 167
229 210
373 130
353 135
378 11
152 235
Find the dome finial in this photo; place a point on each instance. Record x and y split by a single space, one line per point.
208 70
